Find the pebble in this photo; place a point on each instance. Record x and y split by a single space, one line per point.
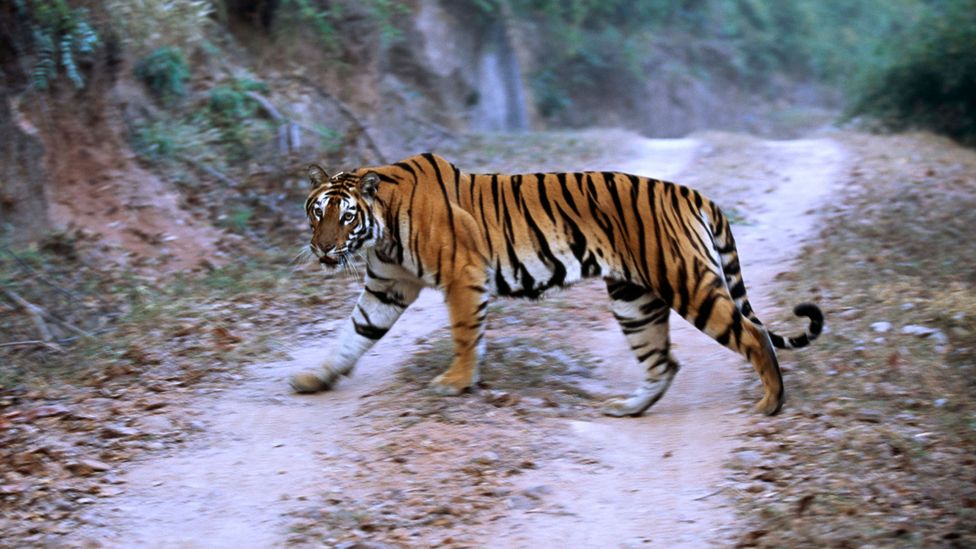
118 431
537 492
870 415
746 459
920 331
881 327
156 424
487 458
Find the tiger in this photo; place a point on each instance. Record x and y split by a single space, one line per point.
422 222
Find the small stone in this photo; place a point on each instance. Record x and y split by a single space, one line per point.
916 330
84 467
940 402
118 431
537 492
870 415
487 458
881 327
519 502
746 459
156 424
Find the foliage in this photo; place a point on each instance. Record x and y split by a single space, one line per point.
147 25
324 18
165 71
174 138
232 112
61 35
929 81
587 44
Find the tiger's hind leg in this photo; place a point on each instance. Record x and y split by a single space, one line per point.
643 316
712 310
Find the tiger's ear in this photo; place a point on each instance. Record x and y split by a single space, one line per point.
317 176
368 184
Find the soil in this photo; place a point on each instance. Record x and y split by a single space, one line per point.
526 459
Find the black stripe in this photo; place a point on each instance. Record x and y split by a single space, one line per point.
705 312
369 331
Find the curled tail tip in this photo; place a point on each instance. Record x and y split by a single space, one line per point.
807 310
815 315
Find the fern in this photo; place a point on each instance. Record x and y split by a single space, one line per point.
60 36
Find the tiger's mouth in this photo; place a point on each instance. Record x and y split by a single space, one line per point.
328 261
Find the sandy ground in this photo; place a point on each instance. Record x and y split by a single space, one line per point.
267 454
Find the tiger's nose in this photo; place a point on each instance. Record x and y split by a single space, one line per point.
320 251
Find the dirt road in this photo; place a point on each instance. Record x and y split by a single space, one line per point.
380 460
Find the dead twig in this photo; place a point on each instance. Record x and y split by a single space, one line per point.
33 311
351 116
708 495
26 267
200 166
33 343
266 105
38 314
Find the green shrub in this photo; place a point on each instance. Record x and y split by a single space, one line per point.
165 71
930 81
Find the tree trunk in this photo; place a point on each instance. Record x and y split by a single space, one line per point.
23 203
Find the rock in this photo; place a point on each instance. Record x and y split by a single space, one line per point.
881 327
155 424
537 492
746 459
870 415
46 411
487 458
920 331
118 431
85 467
519 502
10 489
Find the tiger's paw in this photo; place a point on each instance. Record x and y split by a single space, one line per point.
769 405
630 406
314 381
445 385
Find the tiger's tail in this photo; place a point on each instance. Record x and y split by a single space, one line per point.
725 246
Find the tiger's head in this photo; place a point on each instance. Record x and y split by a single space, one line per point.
340 214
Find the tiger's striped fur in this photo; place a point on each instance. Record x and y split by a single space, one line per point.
423 222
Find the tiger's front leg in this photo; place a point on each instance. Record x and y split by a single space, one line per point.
467 303
382 302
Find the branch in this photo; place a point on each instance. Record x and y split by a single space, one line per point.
32 343
210 171
33 311
37 275
351 116
38 314
267 106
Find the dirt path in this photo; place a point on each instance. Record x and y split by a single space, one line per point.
267 454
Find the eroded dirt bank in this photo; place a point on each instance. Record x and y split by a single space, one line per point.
526 460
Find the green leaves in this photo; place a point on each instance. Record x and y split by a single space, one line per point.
61 35
165 71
